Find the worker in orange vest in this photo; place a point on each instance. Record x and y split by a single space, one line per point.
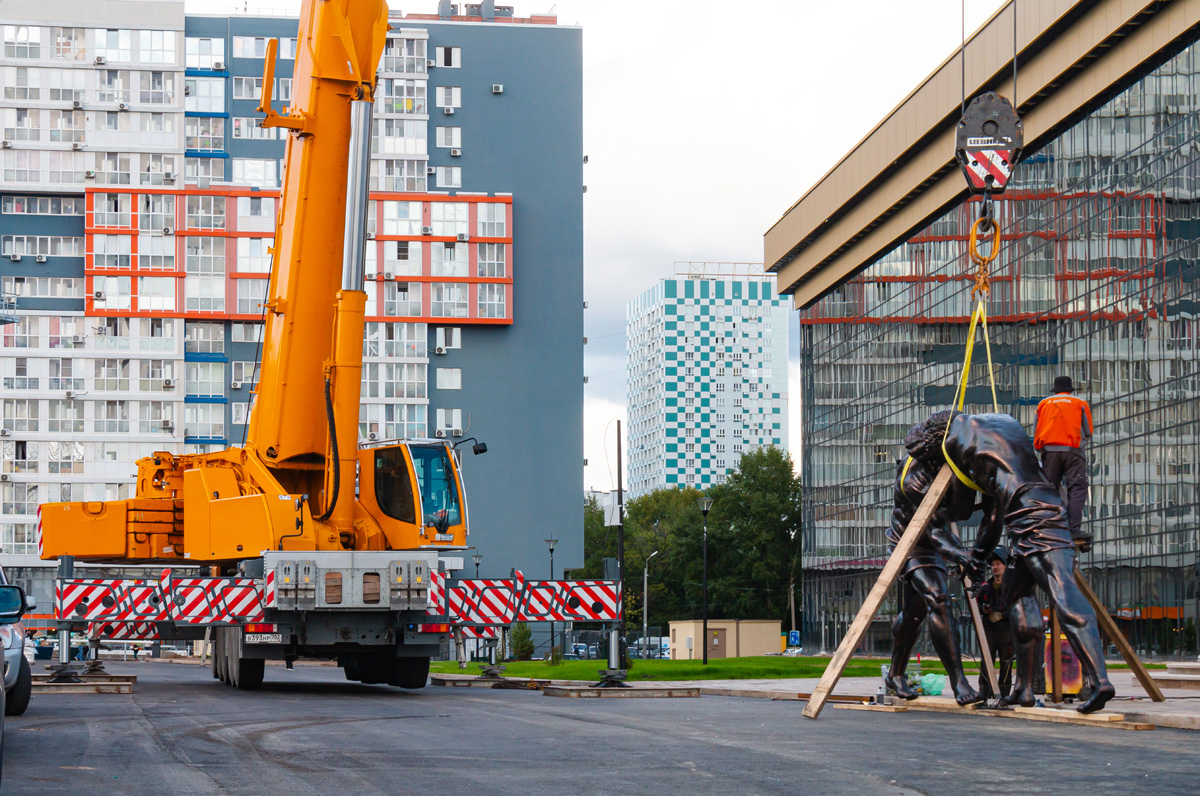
1064 425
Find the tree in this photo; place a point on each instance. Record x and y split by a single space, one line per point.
522 641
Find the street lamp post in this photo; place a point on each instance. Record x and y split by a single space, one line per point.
478 559
705 504
646 606
551 543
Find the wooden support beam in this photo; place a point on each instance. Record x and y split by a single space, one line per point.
984 649
891 571
1055 658
1112 631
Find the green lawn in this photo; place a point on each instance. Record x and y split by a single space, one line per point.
759 668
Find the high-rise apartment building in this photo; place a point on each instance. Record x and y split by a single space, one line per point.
707 374
137 211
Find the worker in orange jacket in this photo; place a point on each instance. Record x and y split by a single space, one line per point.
1064 426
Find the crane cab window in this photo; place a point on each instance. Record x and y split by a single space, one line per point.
393 487
439 490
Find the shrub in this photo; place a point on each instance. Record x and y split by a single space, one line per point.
522 641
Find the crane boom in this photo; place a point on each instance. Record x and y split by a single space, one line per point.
292 486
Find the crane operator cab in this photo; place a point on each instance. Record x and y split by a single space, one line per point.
414 491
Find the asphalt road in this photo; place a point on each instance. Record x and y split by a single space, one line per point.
311 731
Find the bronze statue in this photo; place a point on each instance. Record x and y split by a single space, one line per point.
923 592
993 454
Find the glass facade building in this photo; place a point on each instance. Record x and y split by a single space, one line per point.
1098 278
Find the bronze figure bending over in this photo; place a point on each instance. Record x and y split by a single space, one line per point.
993 454
923 592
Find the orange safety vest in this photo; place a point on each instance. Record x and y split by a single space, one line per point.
1060 421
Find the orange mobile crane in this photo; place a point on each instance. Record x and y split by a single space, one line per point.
338 545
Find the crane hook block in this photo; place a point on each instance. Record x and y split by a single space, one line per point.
988 142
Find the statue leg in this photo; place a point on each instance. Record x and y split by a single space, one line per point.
931 583
1025 619
1055 572
905 630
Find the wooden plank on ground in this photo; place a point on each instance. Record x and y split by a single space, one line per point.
876 708
984 648
1112 631
891 571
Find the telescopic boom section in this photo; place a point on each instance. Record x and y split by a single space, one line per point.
293 485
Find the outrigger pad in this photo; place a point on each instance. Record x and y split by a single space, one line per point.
988 143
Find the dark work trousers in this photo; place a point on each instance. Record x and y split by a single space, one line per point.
1069 468
1000 643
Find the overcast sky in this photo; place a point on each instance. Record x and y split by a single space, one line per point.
703 123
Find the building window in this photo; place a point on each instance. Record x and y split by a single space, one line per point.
449 378
67 85
449 300
449 419
43 205
157 88
396 95
399 137
206 212
449 176
156 293
448 337
70 44
449 97
204 421
156 46
492 219
245 373
22 334
399 302
211 169
112 292
251 293
240 413
449 137
203 53
253 255
156 169
151 374
402 218
204 133
398 175
255 171
393 380
110 417
156 252
402 257
204 286
490 260
404 55
114 45
22 165
66 416
449 218
112 168
449 259
491 301
67 127
21 414
62 375
22 83
22 124
247 88
395 340
22 41
204 337
205 379
247 127
65 167
111 209
449 56
256 47
155 417
204 94
157 212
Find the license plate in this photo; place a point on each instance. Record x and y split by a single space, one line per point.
264 638
443 537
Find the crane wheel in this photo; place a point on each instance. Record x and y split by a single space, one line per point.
250 673
409 672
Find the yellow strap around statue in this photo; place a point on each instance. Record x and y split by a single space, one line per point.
960 394
904 473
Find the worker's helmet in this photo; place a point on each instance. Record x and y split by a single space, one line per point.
999 554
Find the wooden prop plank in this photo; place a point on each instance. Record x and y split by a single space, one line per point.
1055 657
891 571
984 648
1113 632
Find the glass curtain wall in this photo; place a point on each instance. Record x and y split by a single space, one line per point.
1097 279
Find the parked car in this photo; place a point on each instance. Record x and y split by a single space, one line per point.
18 674
12 608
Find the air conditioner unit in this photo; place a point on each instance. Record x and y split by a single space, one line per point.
167 230
16 258
372 436
169 176
77 105
426 230
463 237
77 338
100 60
235 385
5 477
430 62
430 170
76 146
440 433
70 393
122 106
448 111
91 175
4 432
457 432
371 277
218 66
6 144
370 236
168 425
168 383
497 88
387 275
456 153
41 258
440 350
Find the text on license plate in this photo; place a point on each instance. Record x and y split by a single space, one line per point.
444 537
264 638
